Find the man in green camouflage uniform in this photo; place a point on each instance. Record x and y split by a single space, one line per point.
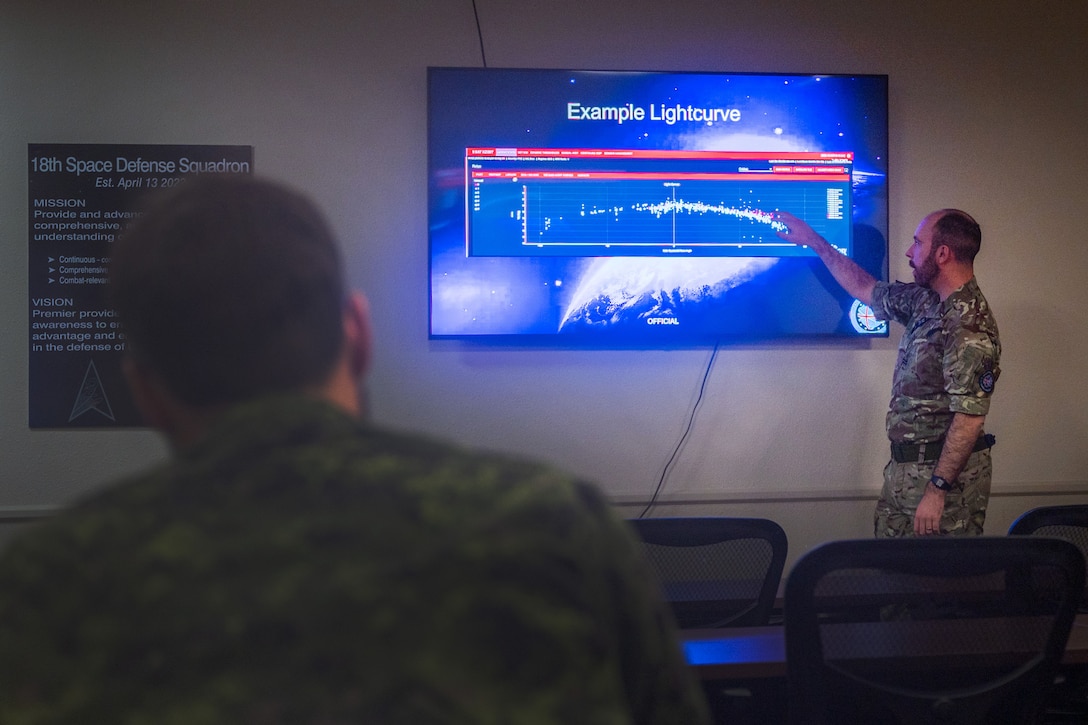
293 564
938 478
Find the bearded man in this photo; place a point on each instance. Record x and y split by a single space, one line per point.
937 480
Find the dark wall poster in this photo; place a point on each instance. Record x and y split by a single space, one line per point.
82 197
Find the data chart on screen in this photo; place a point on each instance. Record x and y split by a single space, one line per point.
623 202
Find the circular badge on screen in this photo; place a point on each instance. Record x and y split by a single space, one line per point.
864 319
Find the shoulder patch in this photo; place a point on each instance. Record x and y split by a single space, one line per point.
986 381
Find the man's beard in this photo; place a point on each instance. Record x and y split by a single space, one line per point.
925 274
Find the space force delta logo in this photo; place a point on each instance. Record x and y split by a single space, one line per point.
91 396
658 112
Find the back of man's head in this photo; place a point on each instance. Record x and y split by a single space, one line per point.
230 287
960 232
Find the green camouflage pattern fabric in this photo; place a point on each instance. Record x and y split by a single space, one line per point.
298 566
948 362
964 506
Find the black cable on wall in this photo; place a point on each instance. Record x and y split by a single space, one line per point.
684 437
479 33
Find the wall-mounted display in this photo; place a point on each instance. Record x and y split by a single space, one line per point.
599 208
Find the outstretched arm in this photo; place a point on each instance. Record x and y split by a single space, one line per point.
855 280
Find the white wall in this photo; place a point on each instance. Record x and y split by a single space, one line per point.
987 113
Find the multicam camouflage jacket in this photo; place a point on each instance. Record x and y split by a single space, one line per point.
297 566
948 358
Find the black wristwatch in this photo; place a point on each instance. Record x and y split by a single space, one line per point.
939 483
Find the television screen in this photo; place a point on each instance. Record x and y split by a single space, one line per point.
606 207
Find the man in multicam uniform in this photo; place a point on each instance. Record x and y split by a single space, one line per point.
938 478
293 564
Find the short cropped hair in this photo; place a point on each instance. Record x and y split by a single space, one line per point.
959 232
229 288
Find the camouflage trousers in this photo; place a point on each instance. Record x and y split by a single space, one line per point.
964 507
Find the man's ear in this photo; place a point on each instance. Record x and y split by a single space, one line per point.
358 334
943 254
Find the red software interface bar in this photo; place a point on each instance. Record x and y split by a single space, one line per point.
771 156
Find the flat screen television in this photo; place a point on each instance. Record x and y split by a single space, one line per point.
620 207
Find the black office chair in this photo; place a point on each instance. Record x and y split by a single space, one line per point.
1065 522
929 630
716 571
722 572
1069 701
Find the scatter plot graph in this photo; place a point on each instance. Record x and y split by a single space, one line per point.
651 214
566 209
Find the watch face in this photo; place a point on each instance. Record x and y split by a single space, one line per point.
940 483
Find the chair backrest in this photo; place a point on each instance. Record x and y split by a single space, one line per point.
917 630
716 571
1065 522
